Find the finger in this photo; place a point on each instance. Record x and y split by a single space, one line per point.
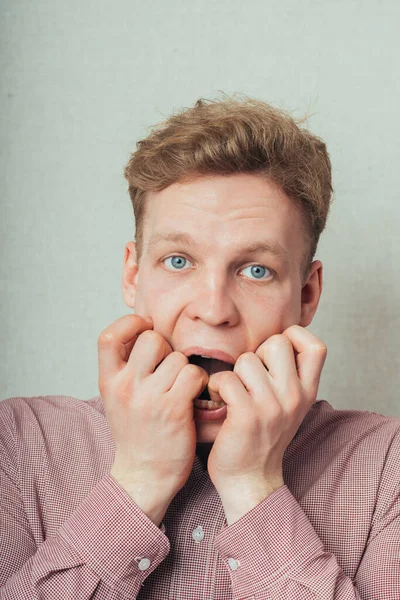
311 355
226 386
278 356
148 352
168 370
112 343
189 384
252 372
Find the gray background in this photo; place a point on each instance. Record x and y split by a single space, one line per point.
82 81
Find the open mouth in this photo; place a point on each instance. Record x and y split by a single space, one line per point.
211 366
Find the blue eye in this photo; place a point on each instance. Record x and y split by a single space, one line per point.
258 271
178 262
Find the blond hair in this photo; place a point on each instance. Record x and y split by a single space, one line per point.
235 136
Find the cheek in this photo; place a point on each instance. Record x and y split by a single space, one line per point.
274 315
150 293
158 299
289 310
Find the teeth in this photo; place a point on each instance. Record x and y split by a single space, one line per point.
209 404
202 356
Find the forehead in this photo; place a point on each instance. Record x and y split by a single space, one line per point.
222 211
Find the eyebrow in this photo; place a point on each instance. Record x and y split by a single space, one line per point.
177 237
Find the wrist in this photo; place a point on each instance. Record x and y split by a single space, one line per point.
154 505
241 499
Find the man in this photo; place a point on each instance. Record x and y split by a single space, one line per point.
206 468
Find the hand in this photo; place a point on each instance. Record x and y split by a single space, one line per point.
148 392
265 408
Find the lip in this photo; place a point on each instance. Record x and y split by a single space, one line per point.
211 352
203 414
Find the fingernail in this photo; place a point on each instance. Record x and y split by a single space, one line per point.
148 319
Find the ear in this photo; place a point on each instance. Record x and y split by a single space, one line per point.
130 274
311 293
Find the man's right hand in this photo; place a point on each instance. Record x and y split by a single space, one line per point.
148 392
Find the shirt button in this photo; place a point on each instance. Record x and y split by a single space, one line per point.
198 534
233 564
144 564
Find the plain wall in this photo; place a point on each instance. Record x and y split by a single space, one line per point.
81 82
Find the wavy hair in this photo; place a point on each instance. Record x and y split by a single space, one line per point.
222 137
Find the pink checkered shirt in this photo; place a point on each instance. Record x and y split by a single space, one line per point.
69 531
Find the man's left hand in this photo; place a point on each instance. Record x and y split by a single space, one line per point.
268 394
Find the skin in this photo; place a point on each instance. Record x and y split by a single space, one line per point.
215 300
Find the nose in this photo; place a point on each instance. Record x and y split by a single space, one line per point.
213 301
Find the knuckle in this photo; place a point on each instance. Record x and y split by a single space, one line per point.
320 348
151 336
226 377
244 358
294 328
192 370
179 355
274 344
277 340
106 338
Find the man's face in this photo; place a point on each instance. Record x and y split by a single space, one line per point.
236 282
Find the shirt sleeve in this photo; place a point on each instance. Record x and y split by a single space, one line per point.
104 550
378 575
274 553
